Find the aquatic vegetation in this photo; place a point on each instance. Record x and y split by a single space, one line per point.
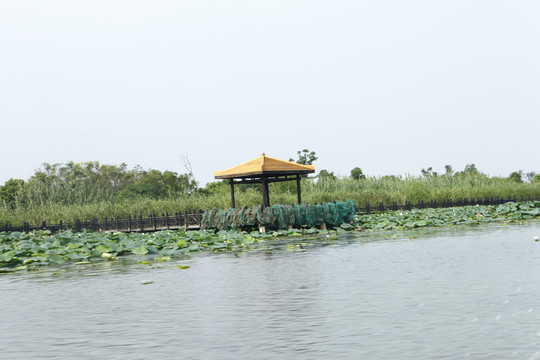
28 251
456 216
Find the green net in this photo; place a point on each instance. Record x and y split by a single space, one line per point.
280 216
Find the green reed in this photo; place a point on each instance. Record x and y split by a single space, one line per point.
85 202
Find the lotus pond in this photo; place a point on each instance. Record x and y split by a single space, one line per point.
453 292
30 251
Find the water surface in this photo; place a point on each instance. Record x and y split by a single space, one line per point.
433 294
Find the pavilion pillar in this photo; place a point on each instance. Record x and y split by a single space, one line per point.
265 192
298 191
232 193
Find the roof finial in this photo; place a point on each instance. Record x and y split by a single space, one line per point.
263 154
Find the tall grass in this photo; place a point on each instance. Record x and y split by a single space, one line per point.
37 193
414 189
87 203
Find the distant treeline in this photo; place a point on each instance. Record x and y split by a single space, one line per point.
88 182
91 190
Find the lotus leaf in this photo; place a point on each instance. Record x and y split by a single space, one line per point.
141 250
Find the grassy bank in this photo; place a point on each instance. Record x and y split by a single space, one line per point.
372 190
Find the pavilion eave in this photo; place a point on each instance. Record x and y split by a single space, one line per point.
261 174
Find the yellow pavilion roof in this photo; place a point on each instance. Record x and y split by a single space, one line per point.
264 165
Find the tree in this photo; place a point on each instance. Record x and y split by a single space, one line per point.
90 181
10 190
470 169
516 176
215 187
168 182
448 170
138 190
325 175
391 178
305 157
90 173
429 172
536 179
530 176
194 184
357 174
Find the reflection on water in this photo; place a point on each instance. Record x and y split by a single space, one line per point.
445 294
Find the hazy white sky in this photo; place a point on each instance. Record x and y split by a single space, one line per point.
389 86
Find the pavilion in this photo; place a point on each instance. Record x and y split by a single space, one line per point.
265 169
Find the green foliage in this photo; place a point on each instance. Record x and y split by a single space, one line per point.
458 216
357 174
168 182
284 188
471 170
50 197
371 190
305 157
11 189
530 176
30 250
136 191
224 187
429 172
390 178
90 182
516 176
325 175
215 187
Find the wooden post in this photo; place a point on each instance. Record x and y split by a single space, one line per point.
265 194
232 194
298 191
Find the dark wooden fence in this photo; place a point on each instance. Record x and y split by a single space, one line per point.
191 221
368 208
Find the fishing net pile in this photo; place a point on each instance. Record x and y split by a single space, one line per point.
280 216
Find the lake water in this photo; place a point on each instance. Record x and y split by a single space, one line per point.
442 294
